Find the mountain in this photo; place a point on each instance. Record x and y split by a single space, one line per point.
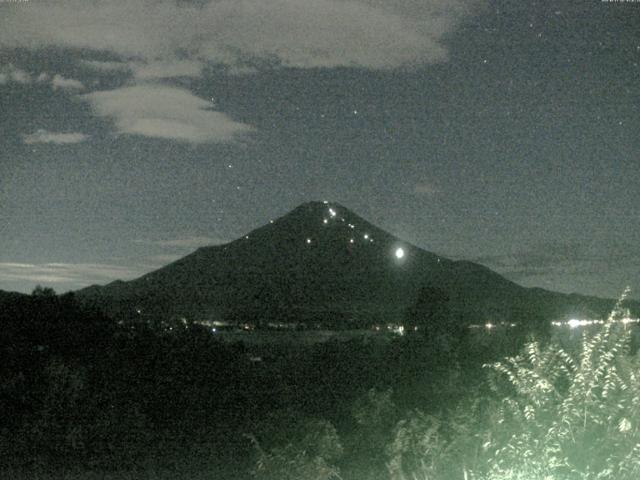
322 263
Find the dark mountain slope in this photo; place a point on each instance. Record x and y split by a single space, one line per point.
322 262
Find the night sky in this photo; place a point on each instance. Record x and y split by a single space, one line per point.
503 132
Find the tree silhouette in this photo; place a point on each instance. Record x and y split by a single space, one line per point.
432 317
43 292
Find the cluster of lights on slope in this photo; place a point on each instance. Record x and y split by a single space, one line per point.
333 214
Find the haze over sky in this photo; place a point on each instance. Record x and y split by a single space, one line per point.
503 132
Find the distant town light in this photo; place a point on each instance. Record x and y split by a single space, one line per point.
399 252
308 240
574 323
366 236
332 212
325 221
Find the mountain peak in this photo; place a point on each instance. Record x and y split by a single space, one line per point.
326 212
320 262
318 207
320 221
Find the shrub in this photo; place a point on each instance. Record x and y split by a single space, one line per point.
310 457
568 415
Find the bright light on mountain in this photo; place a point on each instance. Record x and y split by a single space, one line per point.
399 252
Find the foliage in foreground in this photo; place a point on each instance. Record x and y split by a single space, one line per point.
310 457
570 416
100 397
553 413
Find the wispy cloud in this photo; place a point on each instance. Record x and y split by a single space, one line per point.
65 274
560 258
184 242
164 112
10 74
171 69
59 81
149 70
163 259
45 136
104 66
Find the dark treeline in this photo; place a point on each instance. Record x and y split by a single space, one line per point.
80 390
82 394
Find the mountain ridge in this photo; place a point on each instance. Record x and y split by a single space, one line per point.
323 263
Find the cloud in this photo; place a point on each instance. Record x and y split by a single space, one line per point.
67 274
163 111
544 259
59 81
164 39
303 33
561 258
9 73
185 242
105 66
44 136
149 70
164 259
158 70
